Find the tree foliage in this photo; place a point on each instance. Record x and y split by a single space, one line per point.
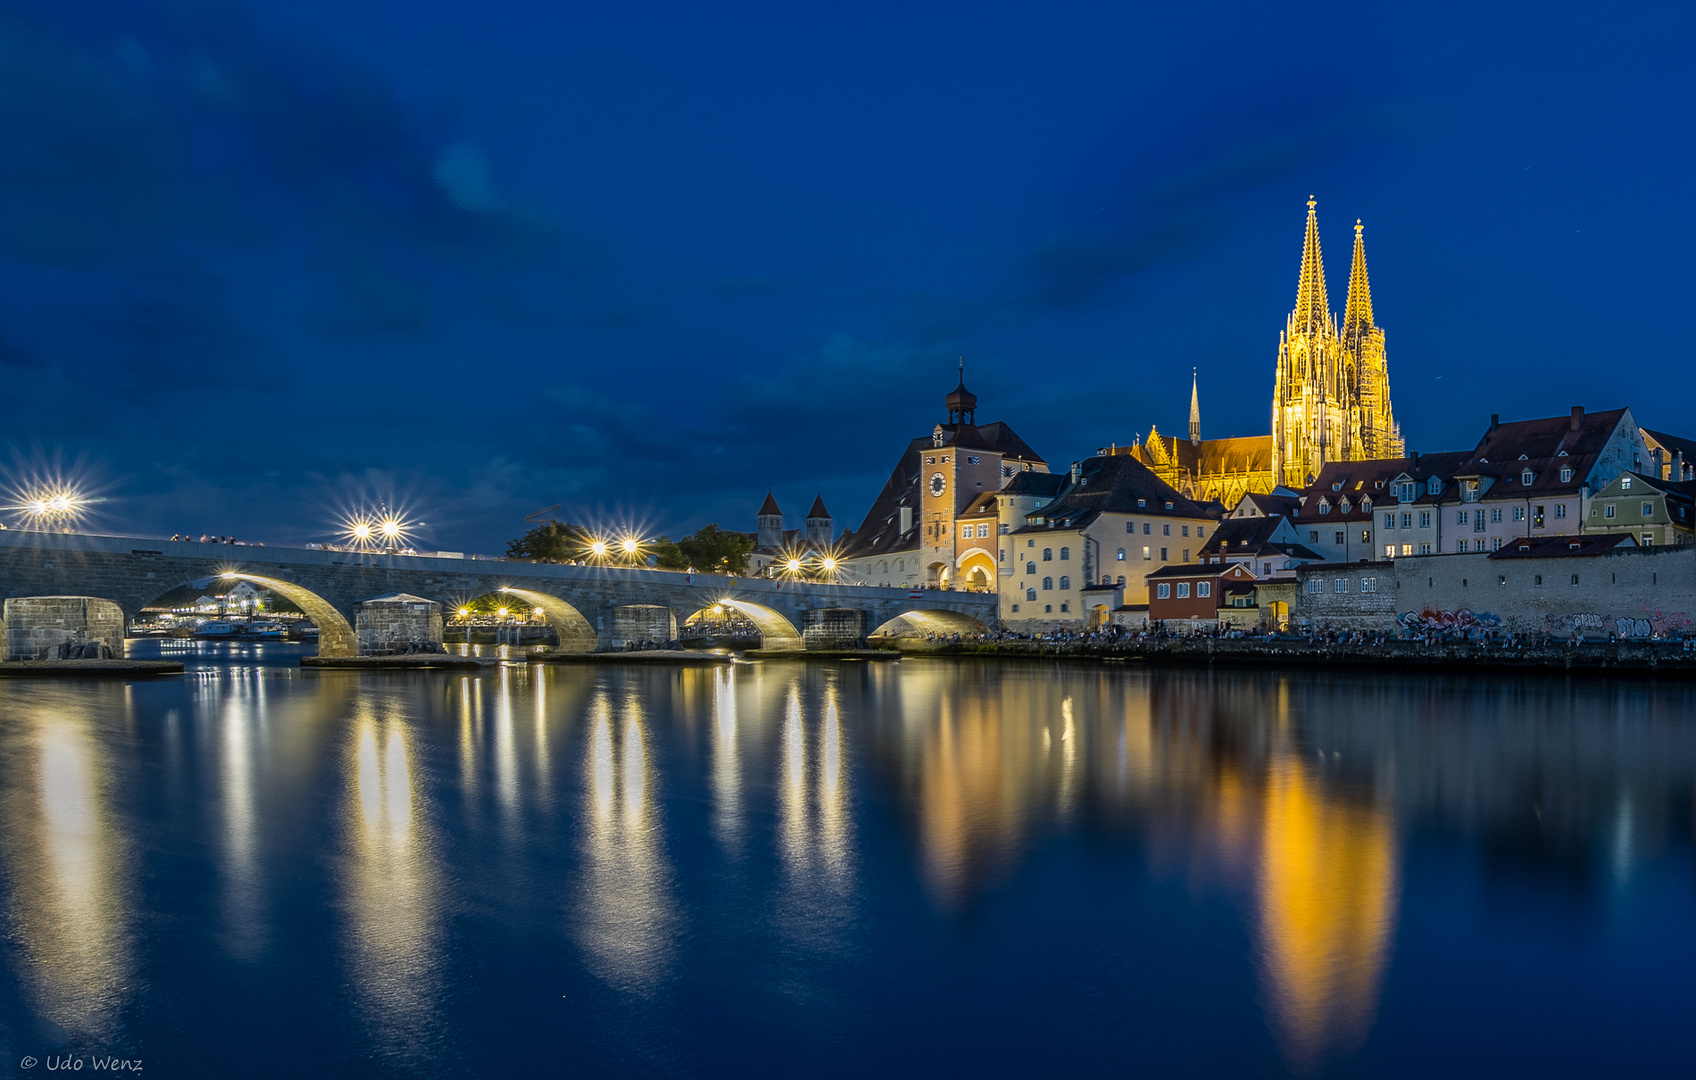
709 550
553 541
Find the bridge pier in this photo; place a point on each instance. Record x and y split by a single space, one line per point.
43 627
629 623
398 623
834 628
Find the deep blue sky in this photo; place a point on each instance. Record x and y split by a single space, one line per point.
259 262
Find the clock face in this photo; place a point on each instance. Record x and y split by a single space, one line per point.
938 483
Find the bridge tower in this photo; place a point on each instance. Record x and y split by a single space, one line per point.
820 528
770 536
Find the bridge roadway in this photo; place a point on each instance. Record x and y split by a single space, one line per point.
582 603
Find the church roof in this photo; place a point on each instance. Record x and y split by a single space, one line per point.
818 510
1248 453
769 507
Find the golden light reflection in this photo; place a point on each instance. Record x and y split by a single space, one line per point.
727 767
1328 894
68 900
627 916
814 906
243 886
393 934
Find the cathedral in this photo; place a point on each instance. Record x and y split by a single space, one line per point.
1330 398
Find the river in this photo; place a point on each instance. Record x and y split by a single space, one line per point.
845 868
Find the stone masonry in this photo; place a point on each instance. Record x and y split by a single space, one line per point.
63 628
834 628
1345 596
133 572
401 623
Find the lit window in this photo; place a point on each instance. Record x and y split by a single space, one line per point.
1625 483
1407 549
1183 589
1146 554
1389 551
1121 555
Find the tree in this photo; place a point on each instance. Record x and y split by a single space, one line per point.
554 541
710 550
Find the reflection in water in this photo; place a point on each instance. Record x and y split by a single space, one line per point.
814 832
69 895
243 885
627 917
727 770
1327 882
393 948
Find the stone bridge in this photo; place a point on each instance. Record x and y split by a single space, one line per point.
589 607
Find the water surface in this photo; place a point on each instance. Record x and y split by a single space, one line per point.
845 868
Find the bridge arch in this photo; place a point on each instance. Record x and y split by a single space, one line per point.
335 636
929 621
575 633
777 634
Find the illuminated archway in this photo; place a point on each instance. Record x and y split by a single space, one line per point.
976 570
335 636
575 633
930 622
777 634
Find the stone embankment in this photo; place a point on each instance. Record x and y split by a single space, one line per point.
88 669
1623 658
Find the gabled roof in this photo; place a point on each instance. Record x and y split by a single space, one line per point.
1041 484
1241 536
1198 570
1114 484
1550 436
880 532
1547 547
1269 504
1671 444
1001 437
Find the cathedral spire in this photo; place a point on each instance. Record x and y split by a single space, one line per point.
1357 315
1195 411
1313 309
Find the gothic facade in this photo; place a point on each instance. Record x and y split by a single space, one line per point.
1331 394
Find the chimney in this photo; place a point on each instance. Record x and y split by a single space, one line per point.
1416 459
1495 420
1577 417
1678 465
1657 463
1076 468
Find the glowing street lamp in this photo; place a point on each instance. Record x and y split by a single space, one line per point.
793 566
598 549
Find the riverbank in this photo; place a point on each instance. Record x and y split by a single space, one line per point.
88 669
1619 658
640 656
410 662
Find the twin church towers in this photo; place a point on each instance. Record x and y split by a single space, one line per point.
1331 398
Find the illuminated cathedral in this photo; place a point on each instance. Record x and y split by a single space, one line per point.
1330 398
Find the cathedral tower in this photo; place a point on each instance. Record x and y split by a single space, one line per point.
1331 397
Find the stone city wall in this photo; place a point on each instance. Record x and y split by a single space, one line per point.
1345 596
63 628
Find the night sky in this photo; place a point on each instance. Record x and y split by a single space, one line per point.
261 263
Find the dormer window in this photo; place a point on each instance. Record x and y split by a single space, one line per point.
1338 486
1344 505
1434 485
1141 503
1566 474
1525 477
1168 504
1366 504
1404 492
1470 494
1324 507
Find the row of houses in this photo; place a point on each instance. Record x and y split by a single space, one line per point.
1522 492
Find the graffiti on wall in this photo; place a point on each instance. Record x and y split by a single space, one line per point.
1645 624
1461 621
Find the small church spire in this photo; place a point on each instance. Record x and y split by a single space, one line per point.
1312 306
1357 315
1195 412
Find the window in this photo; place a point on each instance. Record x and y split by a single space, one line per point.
1130 526
1537 515
1648 539
1183 590
1566 474
1030 594
1065 554
1168 504
1065 607
1404 491
1366 536
1648 509
1460 546
1433 485
1047 554
983 531
1121 580
1425 519
1608 510
1199 531
1120 556
1312 586
1163 591
1389 521
1470 492
1368 584
1502 580
1625 483
1002 555
1495 543
1560 512
1015 609
1478 521
1005 529
1186 529
1324 507
1204 588
1340 584
1146 527
1065 581
1163 556
1539 579
1146 554
1186 554
1407 549
1460 517
1166 530
1519 513
1389 551
1575 579
1407 521
1107 579
1495 513
1142 503
1046 608
1030 543
1525 477
1030 568
1047 583
1339 540
971 461
965 532
930 461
